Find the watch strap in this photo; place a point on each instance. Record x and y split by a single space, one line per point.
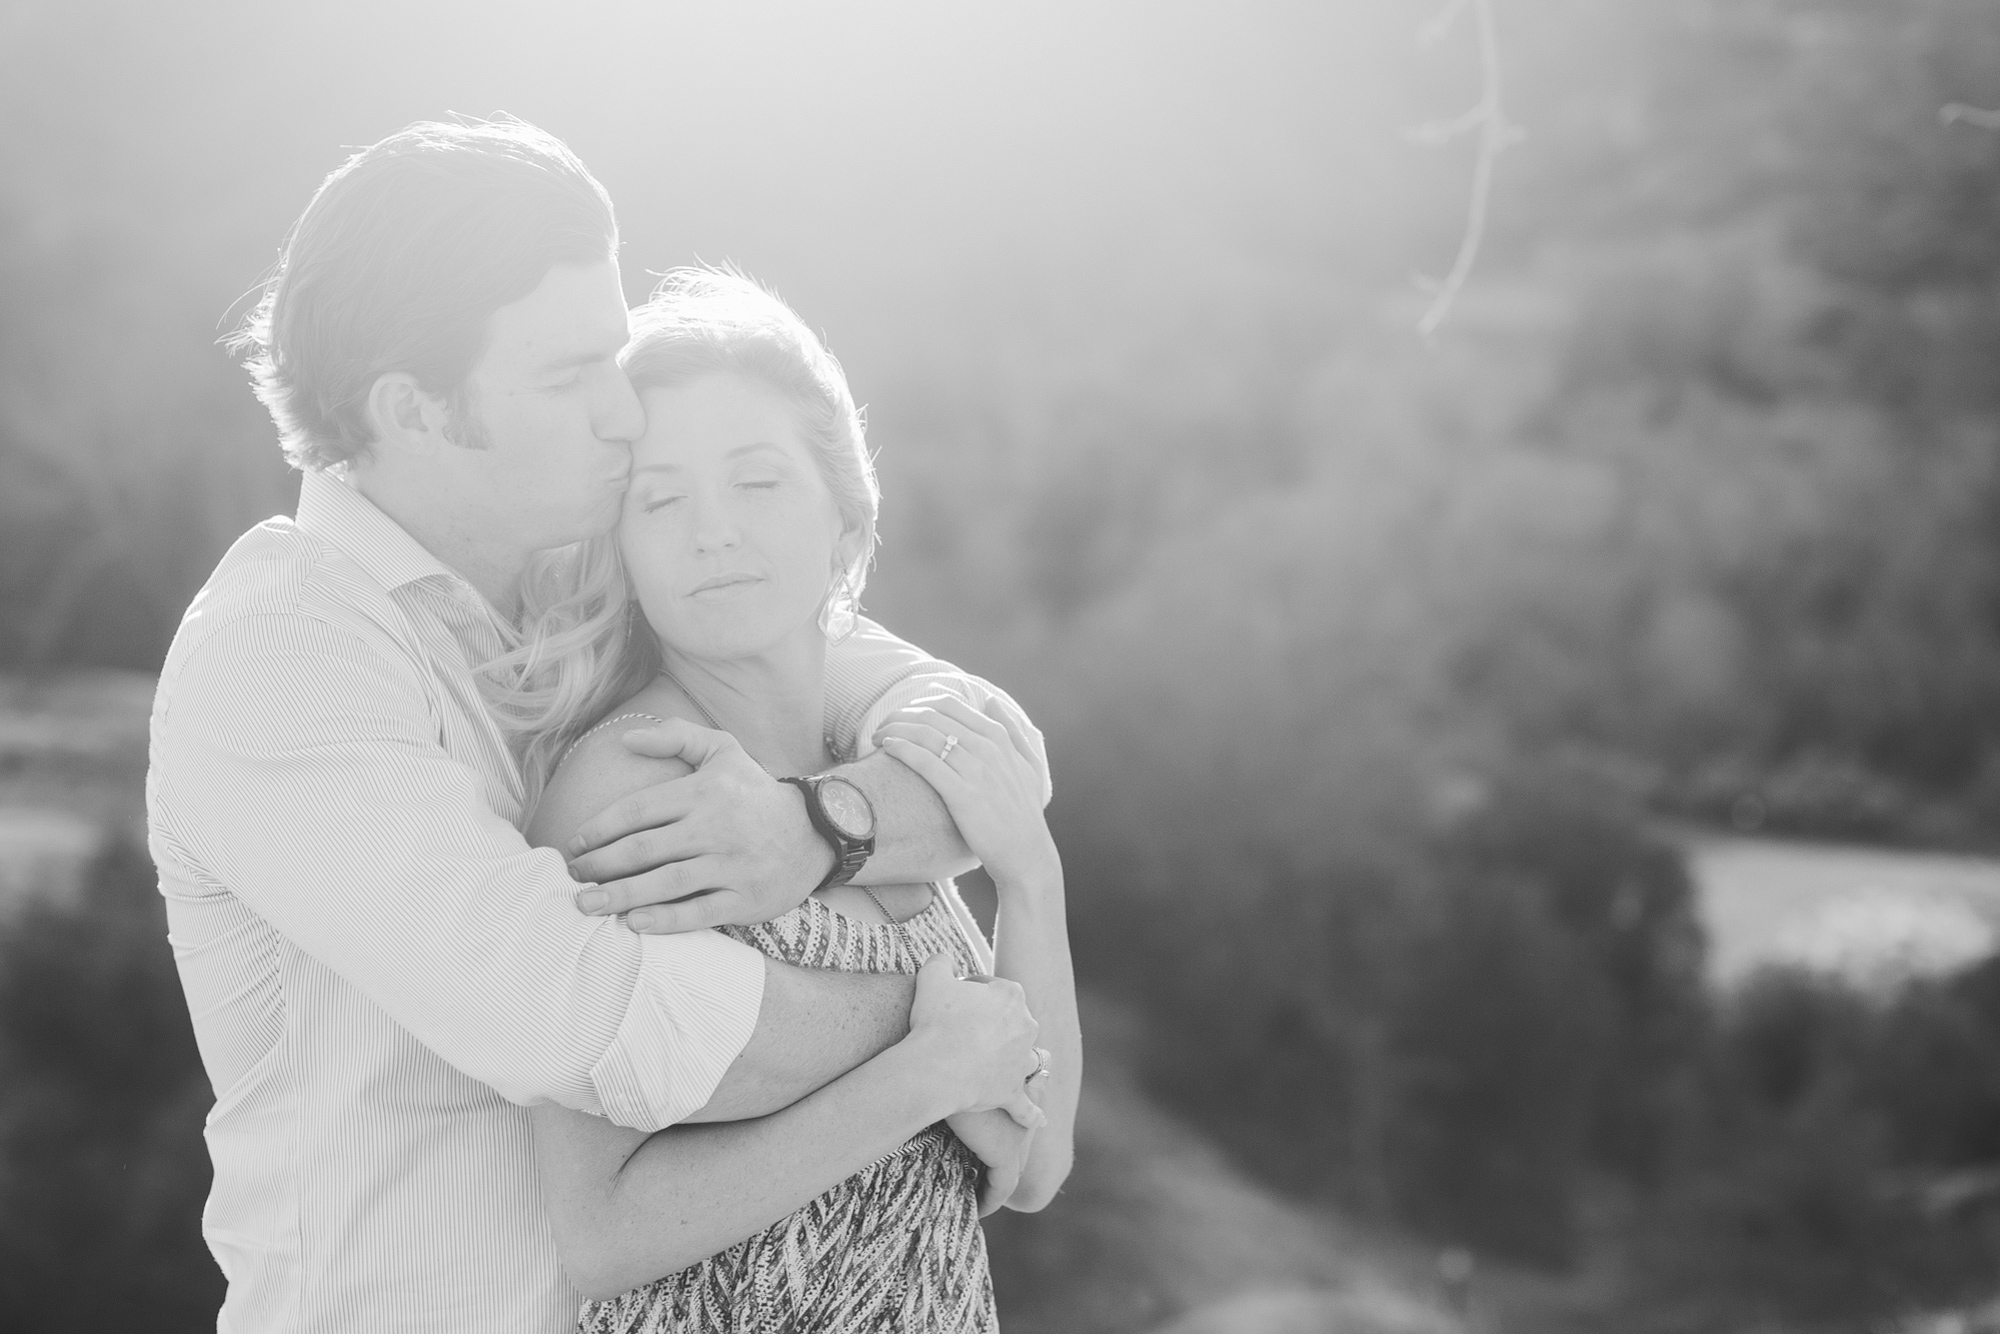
848 853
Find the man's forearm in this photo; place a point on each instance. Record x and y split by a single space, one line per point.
625 1215
915 839
814 1026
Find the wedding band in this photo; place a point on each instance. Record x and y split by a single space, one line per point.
949 742
1041 1065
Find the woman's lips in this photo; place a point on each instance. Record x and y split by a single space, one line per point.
723 584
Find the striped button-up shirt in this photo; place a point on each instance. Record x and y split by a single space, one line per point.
382 973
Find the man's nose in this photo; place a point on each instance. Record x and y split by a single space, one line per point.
620 417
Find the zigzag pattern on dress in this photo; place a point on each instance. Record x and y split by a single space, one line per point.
897 1247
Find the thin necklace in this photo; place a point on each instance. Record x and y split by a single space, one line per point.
826 739
903 932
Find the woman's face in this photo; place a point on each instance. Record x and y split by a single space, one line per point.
729 531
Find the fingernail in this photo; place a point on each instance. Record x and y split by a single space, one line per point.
591 900
575 846
639 921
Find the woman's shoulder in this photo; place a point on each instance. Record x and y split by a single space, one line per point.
598 769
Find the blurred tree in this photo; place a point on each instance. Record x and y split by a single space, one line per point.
102 1166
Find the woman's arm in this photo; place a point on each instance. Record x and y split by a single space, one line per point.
761 843
1031 948
813 1025
994 793
629 1207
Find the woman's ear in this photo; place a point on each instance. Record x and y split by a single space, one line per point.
403 416
846 547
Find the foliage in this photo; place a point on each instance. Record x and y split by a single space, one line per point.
1825 1187
1363 663
102 1173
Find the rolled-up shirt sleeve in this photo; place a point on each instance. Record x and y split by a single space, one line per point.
871 674
299 767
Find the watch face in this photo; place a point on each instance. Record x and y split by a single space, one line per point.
847 808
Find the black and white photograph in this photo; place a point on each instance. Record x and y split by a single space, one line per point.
896 667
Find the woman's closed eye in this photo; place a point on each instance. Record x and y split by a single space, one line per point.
658 503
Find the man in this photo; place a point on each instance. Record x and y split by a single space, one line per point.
380 970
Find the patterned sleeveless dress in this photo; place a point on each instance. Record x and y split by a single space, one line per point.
895 1247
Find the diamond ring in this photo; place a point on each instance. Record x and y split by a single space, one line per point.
949 741
1041 1065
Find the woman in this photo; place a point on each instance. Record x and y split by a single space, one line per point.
746 535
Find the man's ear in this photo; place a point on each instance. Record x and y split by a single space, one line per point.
403 416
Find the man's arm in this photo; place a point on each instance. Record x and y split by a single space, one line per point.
814 1024
297 766
628 1207
871 677
729 844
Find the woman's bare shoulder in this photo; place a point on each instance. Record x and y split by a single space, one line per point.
598 770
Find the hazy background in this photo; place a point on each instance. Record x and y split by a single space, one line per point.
1427 720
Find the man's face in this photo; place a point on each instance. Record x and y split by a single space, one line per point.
549 451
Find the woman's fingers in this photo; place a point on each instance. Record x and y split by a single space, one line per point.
938 773
993 710
996 1186
923 734
969 719
1026 1113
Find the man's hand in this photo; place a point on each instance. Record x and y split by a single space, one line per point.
725 845
999 1143
976 1036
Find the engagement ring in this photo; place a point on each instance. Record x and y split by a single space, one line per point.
949 742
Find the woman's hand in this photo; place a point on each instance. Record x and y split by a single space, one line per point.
981 766
1002 1145
976 1036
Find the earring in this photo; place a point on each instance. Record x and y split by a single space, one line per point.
836 614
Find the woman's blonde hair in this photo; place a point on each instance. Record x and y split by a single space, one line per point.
583 646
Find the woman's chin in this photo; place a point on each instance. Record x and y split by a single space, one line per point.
731 639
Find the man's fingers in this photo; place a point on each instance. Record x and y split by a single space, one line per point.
664 884
721 907
679 739
648 808
649 849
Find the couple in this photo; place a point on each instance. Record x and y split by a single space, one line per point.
556 866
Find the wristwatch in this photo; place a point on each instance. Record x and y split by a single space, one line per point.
840 812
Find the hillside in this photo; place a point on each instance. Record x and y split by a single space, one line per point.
1156 1230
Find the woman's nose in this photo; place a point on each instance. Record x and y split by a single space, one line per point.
713 528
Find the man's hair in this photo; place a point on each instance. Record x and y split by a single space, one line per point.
396 264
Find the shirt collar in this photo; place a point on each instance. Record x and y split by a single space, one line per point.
335 512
